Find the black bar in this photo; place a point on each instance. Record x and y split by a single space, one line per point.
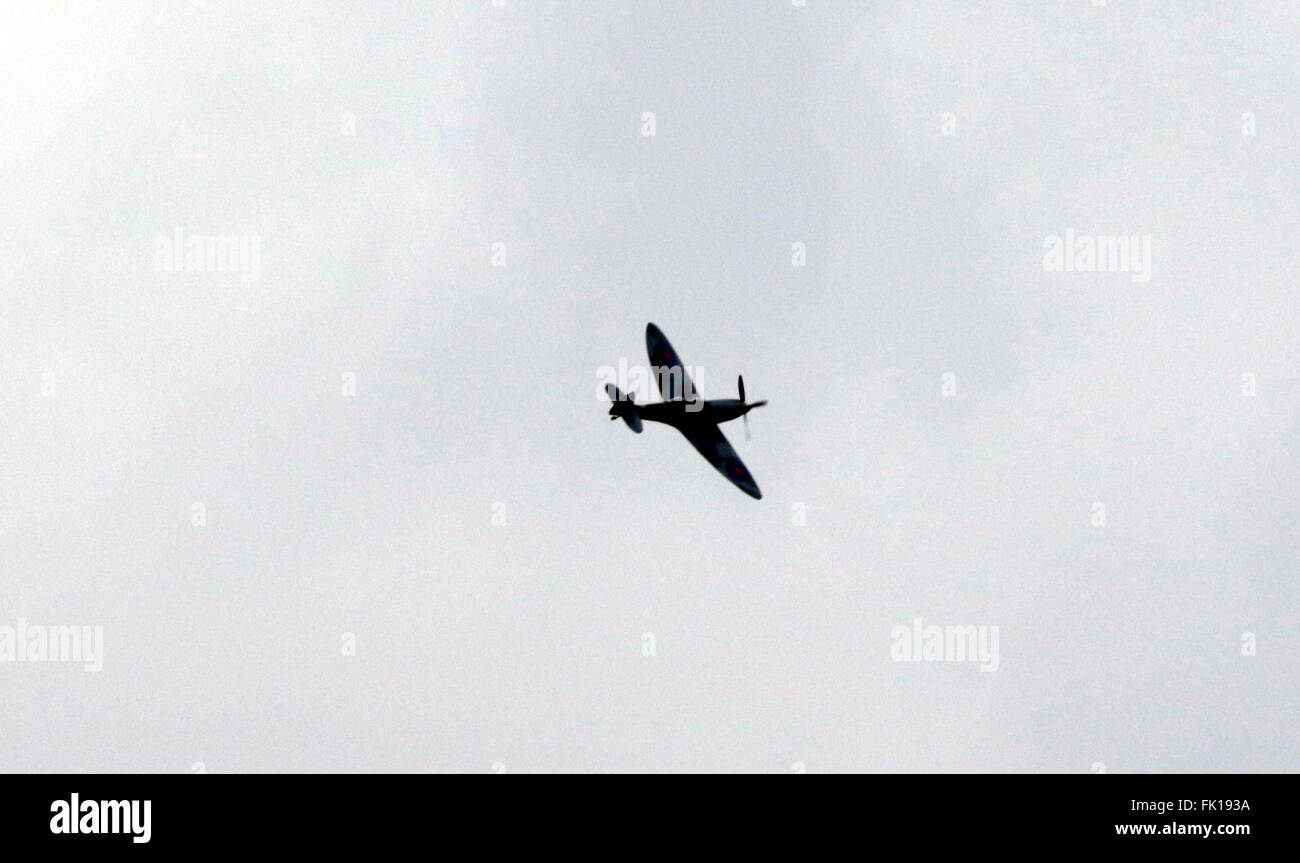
332 812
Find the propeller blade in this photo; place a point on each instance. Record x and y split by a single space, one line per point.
745 418
740 385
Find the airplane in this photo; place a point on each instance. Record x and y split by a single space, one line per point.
682 409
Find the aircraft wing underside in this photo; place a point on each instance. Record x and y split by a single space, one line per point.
669 373
710 442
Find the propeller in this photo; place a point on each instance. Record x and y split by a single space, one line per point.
740 385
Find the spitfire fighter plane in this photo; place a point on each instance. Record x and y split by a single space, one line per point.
682 409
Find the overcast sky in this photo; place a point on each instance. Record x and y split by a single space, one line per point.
923 153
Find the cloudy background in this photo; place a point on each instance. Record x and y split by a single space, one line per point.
523 644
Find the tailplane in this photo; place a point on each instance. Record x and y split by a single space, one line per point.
623 406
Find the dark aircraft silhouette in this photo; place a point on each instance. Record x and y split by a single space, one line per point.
685 411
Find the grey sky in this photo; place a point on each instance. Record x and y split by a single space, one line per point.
522 644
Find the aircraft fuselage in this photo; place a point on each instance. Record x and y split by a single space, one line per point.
680 413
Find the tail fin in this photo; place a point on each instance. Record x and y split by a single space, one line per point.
623 407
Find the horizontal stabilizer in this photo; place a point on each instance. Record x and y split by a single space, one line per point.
623 407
